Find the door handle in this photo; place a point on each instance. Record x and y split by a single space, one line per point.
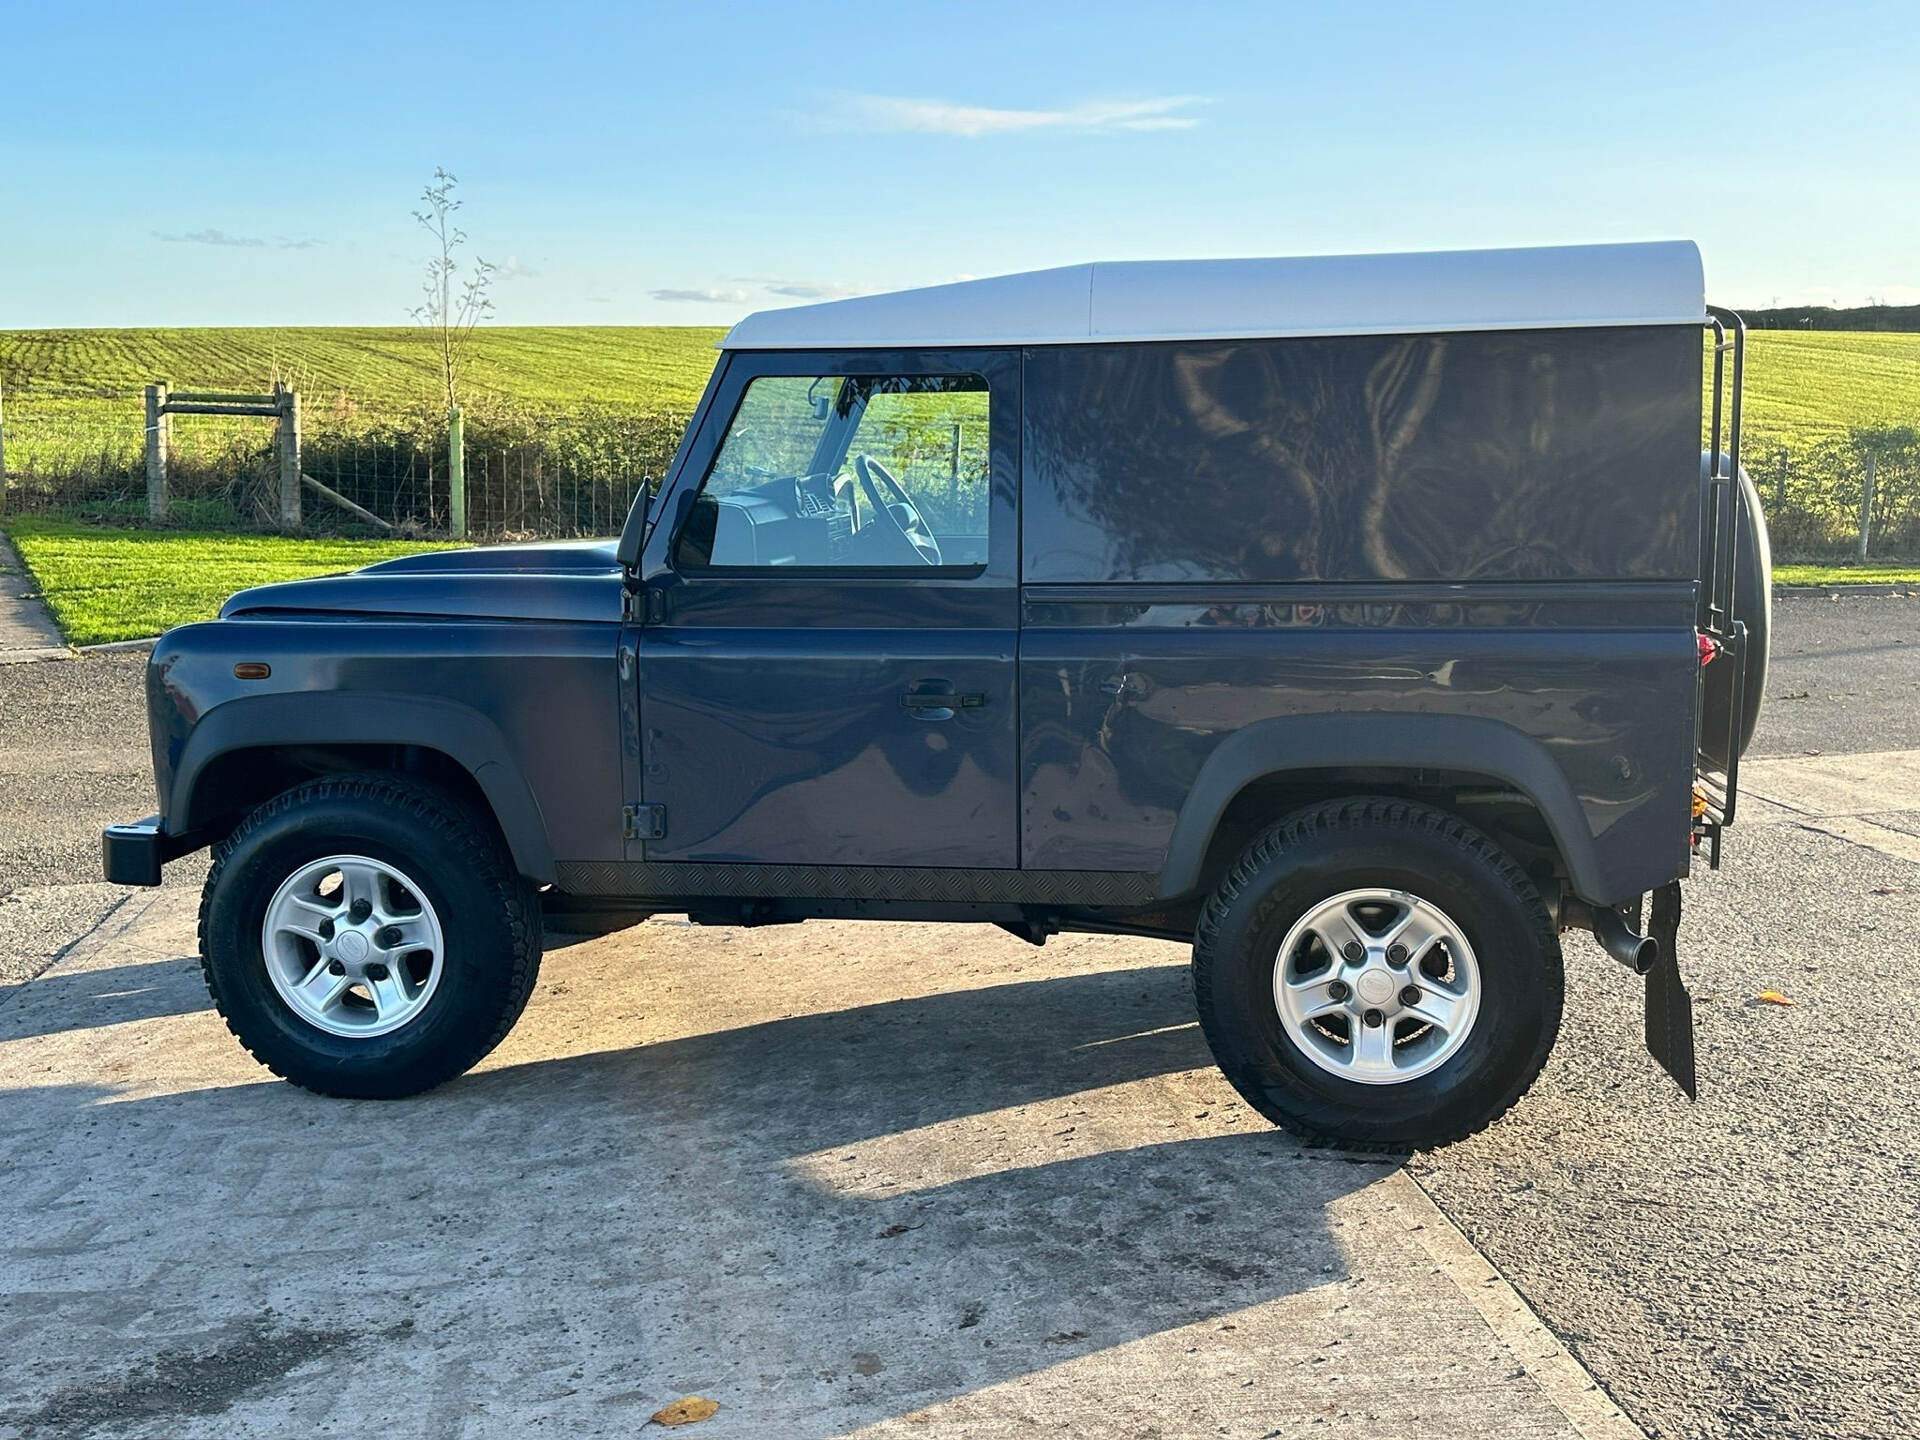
923 703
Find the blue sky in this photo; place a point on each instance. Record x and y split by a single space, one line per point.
687 163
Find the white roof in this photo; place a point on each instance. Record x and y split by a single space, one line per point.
1656 283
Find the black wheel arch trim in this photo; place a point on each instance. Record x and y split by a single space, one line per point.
1285 744
327 718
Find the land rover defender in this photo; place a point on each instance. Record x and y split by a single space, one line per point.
1365 621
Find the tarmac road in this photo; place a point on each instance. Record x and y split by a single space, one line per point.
73 758
1842 677
1745 1264
1741 1265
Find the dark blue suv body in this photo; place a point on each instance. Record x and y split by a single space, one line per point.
1369 657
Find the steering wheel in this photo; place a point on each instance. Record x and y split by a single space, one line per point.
912 527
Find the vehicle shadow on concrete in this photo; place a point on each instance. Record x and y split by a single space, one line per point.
114 995
822 1221
119 994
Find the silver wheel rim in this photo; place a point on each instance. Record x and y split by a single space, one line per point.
1377 986
353 946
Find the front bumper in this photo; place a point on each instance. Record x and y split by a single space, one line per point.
133 854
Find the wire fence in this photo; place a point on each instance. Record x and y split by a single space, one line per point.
1855 494
89 458
528 474
576 472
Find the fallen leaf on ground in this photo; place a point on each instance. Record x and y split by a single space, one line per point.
893 1230
1888 890
688 1410
1774 997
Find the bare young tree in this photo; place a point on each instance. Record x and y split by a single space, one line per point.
454 303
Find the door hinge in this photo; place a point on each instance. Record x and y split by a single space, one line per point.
643 604
644 822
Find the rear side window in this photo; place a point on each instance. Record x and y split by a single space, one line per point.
1475 457
848 472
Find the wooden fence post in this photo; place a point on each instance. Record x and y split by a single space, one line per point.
1866 504
3 449
159 436
288 434
1780 485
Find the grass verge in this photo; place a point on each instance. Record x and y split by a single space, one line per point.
107 584
104 584
1892 573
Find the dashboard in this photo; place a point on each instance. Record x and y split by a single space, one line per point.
799 520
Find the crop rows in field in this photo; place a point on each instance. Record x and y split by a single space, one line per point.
1805 386
566 423
1801 385
75 422
392 368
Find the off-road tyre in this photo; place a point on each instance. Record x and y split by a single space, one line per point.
1752 604
1358 843
490 916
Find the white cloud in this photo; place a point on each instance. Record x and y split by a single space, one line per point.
514 268
211 236
702 297
894 113
800 289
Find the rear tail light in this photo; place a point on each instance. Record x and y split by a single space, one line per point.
1709 648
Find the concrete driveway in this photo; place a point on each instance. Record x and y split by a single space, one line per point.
839 1178
699 1164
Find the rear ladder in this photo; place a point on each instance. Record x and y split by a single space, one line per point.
1726 502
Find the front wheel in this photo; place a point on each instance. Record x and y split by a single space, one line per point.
367 936
1378 974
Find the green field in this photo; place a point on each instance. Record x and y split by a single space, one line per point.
1801 385
384 368
127 584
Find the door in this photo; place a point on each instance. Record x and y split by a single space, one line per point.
827 669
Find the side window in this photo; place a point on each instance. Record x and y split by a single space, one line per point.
871 472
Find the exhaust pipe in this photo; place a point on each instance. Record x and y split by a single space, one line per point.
1639 953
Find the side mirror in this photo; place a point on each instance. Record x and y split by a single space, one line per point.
633 538
649 503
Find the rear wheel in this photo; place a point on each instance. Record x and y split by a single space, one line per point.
1378 974
367 936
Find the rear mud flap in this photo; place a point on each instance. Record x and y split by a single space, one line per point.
1669 1005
